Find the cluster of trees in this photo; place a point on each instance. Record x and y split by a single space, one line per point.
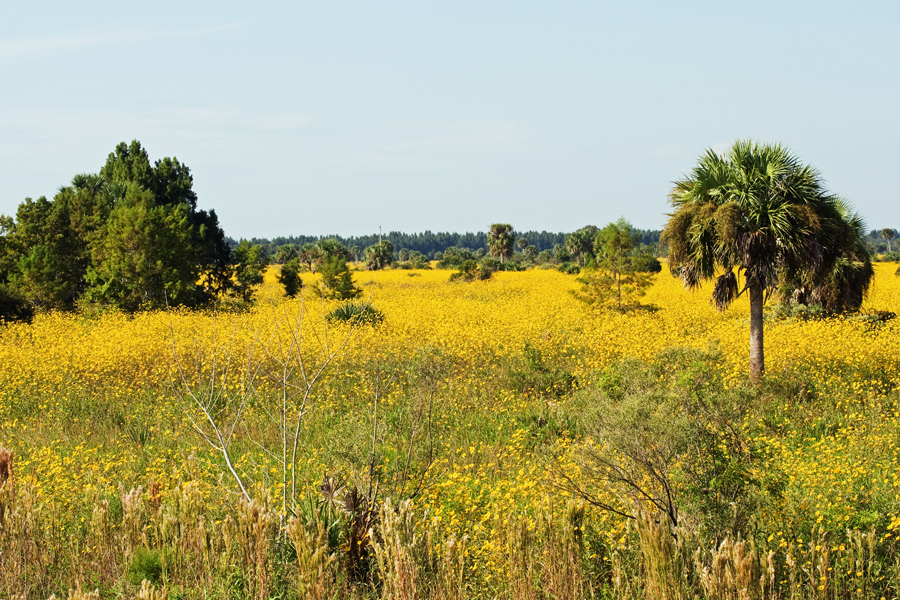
130 236
329 257
585 247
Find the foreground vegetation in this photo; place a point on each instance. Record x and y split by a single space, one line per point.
480 440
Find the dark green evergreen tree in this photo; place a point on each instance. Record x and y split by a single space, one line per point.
141 260
289 278
337 281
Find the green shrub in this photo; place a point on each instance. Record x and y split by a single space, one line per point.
14 306
670 441
145 564
536 375
289 277
361 313
473 271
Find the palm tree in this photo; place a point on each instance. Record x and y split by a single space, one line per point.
888 234
500 239
581 243
757 211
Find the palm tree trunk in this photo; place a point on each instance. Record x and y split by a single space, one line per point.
757 362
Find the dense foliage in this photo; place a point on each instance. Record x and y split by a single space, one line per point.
129 237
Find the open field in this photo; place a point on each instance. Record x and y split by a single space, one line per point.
476 408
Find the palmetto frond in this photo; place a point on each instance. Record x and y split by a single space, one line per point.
725 290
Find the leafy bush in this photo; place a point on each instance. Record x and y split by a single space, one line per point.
645 262
473 271
454 258
569 268
289 277
361 313
14 306
413 260
145 564
794 310
670 443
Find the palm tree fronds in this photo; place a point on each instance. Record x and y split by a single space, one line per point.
725 290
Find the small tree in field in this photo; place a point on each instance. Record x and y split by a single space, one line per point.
337 281
289 277
615 282
249 266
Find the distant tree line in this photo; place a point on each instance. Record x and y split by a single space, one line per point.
429 244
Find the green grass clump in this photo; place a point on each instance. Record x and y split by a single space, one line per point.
356 313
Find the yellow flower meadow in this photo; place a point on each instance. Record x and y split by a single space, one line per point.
92 402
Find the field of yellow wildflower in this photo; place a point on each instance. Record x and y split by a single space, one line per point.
487 439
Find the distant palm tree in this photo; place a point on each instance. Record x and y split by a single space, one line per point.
888 234
757 211
500 240
580 243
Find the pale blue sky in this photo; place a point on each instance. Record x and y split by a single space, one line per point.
340 117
